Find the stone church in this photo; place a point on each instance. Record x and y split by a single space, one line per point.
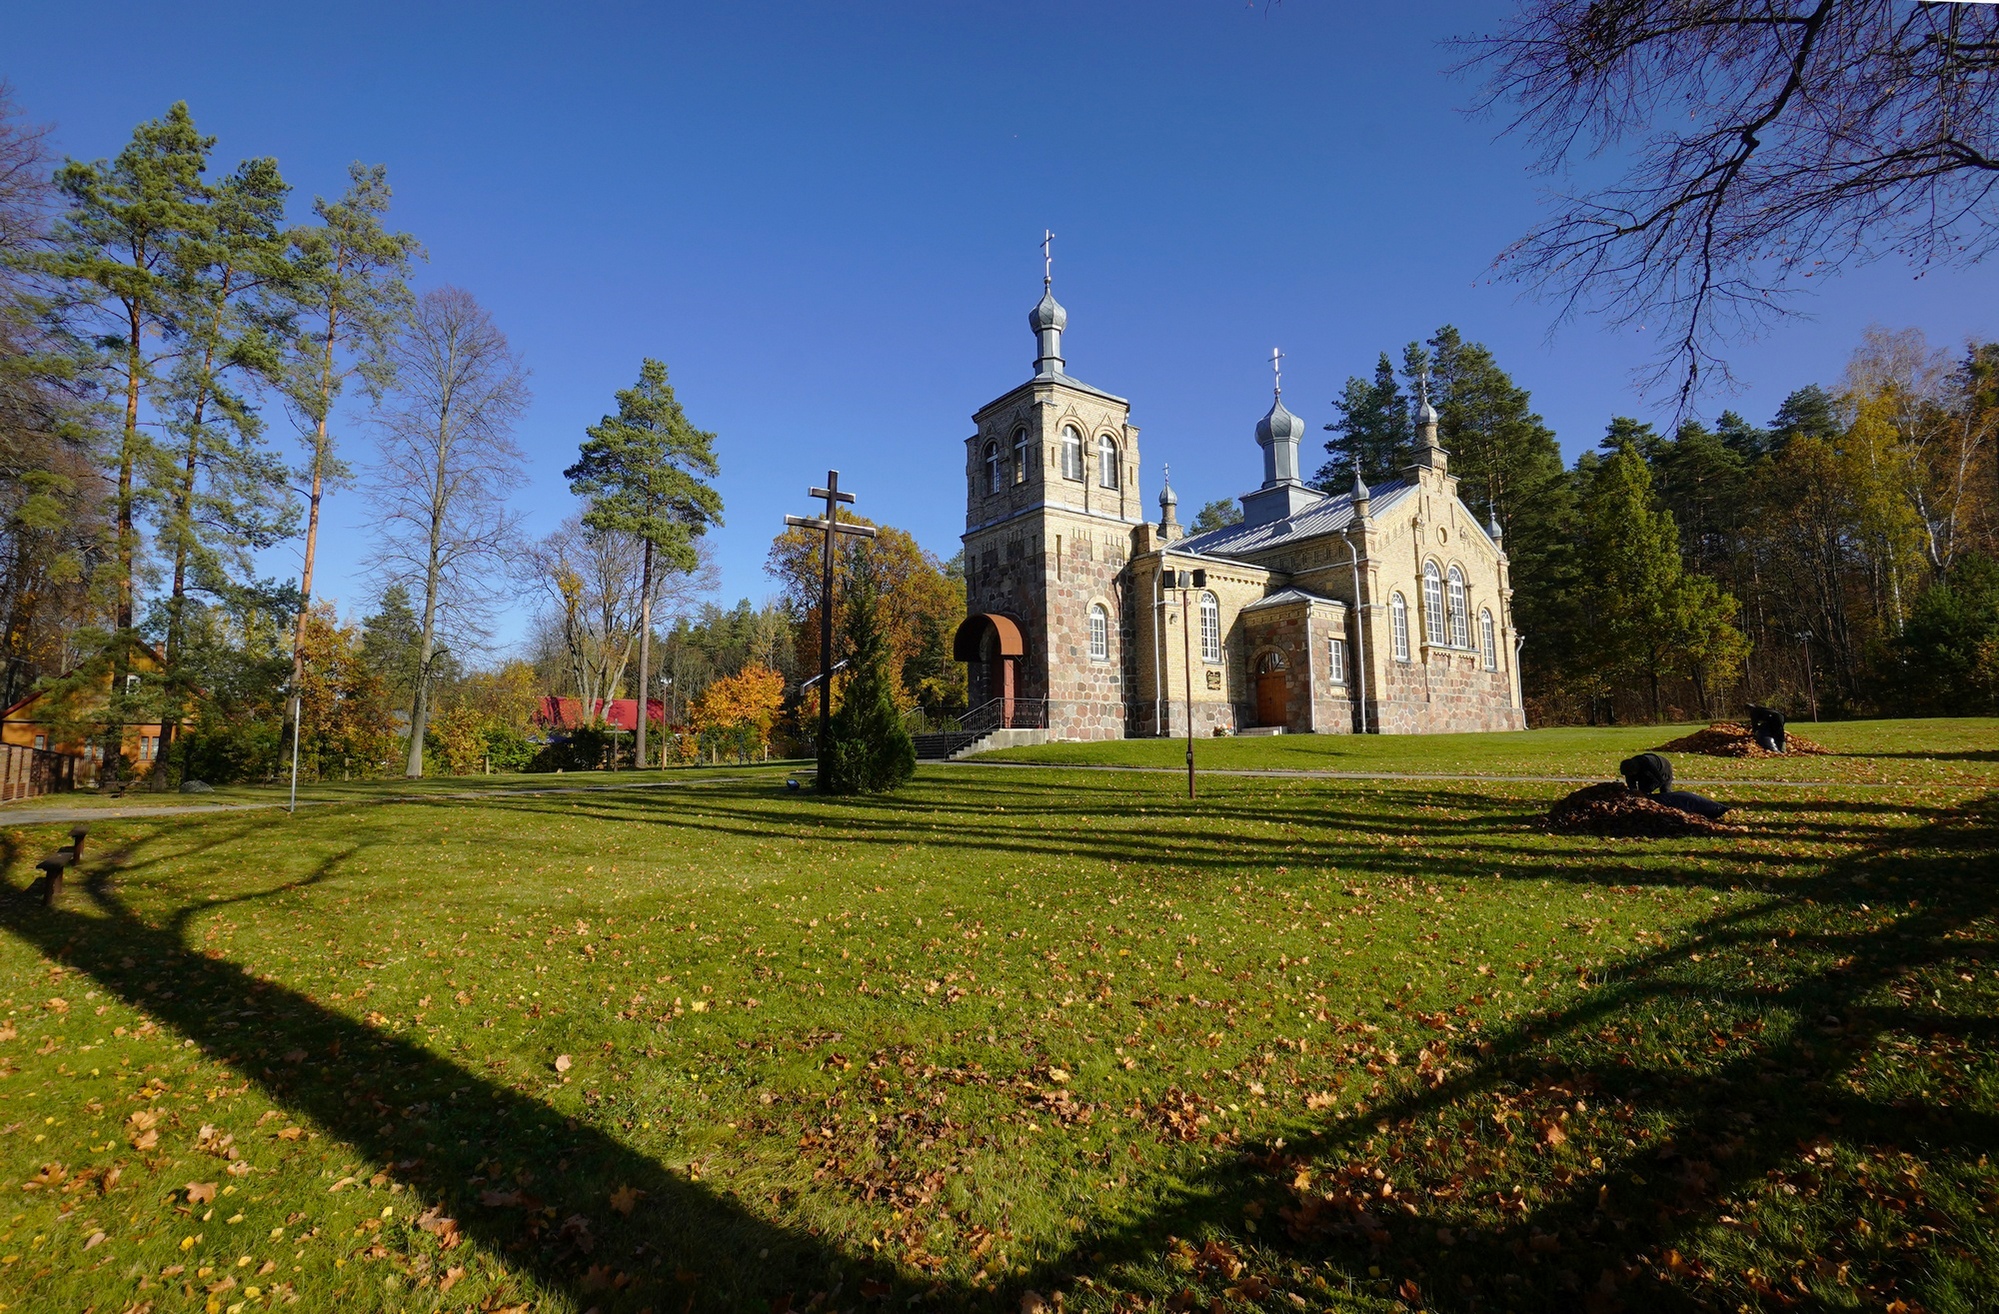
1376 610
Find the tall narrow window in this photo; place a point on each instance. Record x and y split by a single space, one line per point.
1100 633
1336 660
1433 604
993 484
1020 456
1398 624
1460 629
1488 641
1072 454
1211 628
1106 462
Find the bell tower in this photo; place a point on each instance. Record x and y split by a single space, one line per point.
1051 500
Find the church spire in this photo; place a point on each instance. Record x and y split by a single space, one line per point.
1048 319
1278 431
1169 504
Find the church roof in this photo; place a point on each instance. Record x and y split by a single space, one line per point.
1328 515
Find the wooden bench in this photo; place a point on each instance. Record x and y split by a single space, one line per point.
55 864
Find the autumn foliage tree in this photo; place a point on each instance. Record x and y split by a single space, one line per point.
919 608
736 712
343 702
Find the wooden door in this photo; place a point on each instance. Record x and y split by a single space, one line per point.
1272 695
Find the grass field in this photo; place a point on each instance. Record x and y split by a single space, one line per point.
1305 1043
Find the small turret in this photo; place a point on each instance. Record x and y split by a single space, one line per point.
1169 505
1429 455
1360 495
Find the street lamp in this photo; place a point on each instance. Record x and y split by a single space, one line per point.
1187 581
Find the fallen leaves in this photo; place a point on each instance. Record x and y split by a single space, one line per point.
209 1140
445 1229
626 1198
200 1192
563 1063
142 1129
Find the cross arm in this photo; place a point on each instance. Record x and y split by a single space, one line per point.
836 495
808 522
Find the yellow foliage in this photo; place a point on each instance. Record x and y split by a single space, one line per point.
752 698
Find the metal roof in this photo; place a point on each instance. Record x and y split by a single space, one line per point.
1329 515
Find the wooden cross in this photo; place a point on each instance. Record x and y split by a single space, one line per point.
831 527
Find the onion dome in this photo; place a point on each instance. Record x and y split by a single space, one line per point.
1048 314
1279 425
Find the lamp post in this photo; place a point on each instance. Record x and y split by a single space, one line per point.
1187 581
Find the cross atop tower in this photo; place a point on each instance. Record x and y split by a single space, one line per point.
1277 370
1047 259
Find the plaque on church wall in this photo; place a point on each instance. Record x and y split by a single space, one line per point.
1214 679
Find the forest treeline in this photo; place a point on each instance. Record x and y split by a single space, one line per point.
194 363
1840 559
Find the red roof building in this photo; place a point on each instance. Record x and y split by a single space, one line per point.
562 715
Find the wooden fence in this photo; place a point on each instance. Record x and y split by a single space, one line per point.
32 772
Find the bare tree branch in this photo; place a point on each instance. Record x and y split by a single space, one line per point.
1761 143
447 462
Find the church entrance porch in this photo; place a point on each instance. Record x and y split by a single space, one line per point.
992 643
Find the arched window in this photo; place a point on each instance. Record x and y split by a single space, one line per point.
1020 456
1433 604
1211 628
1072 454
1107 462
1100 633
1488 641
1398 624
1460 629
993 484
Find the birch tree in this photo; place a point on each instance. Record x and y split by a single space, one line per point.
447 462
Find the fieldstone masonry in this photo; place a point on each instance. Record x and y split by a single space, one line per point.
1072 615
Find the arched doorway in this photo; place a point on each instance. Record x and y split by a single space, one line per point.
1273 693
992 642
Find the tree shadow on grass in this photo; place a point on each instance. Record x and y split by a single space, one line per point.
1519 1171
444 1130
1590 1235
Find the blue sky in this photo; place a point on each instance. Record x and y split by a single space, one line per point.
825 218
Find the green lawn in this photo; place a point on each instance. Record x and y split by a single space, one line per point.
315 792
1963 751
1302 1044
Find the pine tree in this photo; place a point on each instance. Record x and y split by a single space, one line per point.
344 290
1373 426
1218 514
643 471
1810 412
228 494
1645 616
1510 470
867 750
117 249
